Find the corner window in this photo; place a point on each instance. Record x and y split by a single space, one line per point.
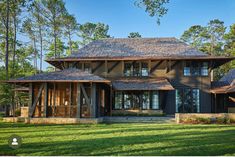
204 69
195 68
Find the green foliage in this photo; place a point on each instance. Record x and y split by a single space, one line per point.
134 35
155 8
92 31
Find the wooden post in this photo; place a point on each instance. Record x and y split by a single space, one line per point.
45 99
78 100
54 99
111 100
93 100
31 94
70 98
122 67
106 68
215 104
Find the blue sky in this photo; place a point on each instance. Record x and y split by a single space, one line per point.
124 17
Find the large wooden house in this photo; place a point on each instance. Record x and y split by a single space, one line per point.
118 77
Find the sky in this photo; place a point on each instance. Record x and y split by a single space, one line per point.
124 17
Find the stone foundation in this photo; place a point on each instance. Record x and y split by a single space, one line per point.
24 111
179 117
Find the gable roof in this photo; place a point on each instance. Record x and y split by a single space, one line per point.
67 75
136 47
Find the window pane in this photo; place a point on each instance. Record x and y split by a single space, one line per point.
136 69
144 69
204 69
136 100
127 100
195 68
87 67
145 101
179 100
118 100
127 69
187 71
155 100
195 100
187 101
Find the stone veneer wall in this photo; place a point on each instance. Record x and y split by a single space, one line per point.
180 116
24 111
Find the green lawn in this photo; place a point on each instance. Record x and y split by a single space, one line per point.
119 139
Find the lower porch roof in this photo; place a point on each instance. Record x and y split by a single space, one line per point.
142 84
66 75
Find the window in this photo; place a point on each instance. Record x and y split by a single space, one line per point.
136 69
204 69
187 71
87 67
195 68
145 101
155 100
135 100
144 69
118 100
127 100
187 100
127 69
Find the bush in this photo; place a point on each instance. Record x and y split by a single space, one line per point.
220 120
203 120
17 112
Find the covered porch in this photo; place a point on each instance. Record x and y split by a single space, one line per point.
70 93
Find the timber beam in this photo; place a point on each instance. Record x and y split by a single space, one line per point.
97 67
36 100
85 95
156 66
112 67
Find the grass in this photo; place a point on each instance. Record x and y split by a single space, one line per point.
119 139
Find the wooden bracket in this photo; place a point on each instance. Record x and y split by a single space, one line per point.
97 67
85 95
36 100
110 69
172 66
155 67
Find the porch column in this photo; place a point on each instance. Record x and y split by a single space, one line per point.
46 100
30 98
78 100
93 106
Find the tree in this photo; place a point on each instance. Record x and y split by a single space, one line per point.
194 36
29 29
92 31
134 35
155 8
39 23
53 11
60 47
71 27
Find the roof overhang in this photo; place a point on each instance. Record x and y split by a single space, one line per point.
127 84
217 60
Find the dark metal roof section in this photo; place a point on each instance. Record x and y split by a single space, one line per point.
141 84
67 75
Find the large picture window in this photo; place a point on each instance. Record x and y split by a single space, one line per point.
187 100
145 100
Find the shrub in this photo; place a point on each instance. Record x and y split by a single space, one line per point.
203 120
17 112
220 120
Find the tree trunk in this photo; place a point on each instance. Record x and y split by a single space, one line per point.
40 34
70 43
7 42
35 55
14 46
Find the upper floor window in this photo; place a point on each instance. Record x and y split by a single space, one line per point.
196 69
187 71
87 67
204 69
136 69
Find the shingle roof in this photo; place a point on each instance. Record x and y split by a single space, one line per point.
229 77
226 84
67 75
137 47
141 84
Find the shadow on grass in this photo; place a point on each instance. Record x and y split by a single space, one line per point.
206 143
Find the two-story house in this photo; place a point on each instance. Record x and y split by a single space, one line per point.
139 76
